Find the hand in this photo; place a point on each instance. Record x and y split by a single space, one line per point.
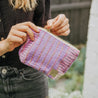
59 25
18 34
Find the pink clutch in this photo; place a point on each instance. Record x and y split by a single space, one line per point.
48 53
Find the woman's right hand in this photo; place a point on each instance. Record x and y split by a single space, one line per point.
18 35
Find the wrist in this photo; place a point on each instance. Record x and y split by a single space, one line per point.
4 47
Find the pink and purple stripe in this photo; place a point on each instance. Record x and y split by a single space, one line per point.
47 52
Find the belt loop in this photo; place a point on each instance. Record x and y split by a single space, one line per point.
16 70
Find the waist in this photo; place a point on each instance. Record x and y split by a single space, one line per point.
6 71
12 62
11 59
10 72
18 66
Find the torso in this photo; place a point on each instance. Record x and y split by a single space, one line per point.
10 17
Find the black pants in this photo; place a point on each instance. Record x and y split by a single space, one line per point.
24 83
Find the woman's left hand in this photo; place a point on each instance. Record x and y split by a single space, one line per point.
59 25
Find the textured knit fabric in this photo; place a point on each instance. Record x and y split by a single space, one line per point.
10 17
49 54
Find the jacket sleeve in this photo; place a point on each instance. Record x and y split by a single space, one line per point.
47 10
42 13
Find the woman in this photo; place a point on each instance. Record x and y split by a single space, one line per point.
17 18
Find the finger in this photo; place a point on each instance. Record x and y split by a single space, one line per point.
2 38
66 33
19 34
66 21
32 26
17 44
63 30
59 21
55 33
47 27
26 29
16 39
62 34
49 24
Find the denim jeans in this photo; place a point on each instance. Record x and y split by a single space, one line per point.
23 83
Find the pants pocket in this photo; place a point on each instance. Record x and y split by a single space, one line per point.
32 74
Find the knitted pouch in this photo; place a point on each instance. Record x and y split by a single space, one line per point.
48 53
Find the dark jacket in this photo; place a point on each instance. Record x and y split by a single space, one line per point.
9 17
